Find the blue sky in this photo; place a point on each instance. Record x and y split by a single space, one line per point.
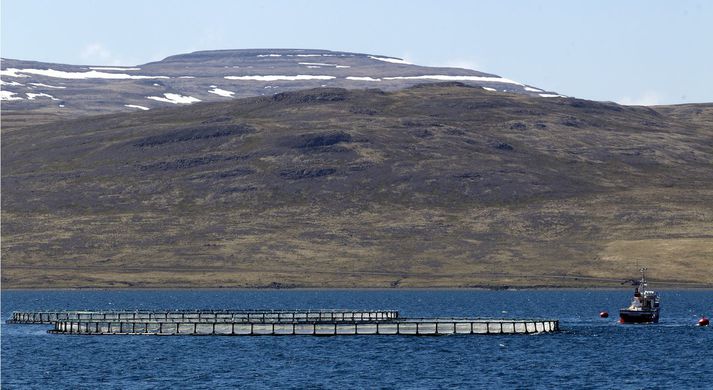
632 52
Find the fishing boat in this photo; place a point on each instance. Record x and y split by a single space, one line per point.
645 305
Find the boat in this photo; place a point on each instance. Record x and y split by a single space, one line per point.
645 305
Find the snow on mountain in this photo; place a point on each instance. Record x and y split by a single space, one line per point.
221 92
174 98
92 74
136 106
9 96
299 77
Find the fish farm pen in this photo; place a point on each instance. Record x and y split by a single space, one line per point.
272 323
252 315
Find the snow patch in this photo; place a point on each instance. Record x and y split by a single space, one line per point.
46 86
112 68
391 60
136 106
489 89
60 74
12 72
311 55
318 64
530 89
269 55
359 78
455 78
174 98
298 77
221 92
7 95
32 96
15 83
551 95
186 77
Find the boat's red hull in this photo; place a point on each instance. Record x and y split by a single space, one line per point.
638 316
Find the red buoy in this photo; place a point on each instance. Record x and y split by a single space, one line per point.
604 314
703 321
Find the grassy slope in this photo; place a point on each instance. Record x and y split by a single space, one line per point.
440 185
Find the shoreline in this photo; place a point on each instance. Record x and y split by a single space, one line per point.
524 288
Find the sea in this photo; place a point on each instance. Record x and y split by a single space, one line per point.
588 353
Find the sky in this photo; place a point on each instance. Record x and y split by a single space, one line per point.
632 52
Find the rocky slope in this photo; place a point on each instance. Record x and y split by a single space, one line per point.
435 185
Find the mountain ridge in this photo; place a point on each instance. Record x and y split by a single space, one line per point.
38 91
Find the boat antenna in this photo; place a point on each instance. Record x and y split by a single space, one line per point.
643 279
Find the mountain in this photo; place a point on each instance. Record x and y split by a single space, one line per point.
437 185
59 91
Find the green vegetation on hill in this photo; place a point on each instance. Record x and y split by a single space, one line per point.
437 185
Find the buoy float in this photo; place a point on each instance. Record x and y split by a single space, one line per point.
703 321
604 314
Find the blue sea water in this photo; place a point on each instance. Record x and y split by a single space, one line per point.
589 352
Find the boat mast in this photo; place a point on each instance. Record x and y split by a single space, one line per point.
642 284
